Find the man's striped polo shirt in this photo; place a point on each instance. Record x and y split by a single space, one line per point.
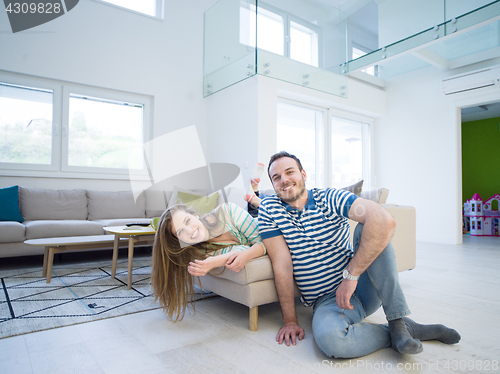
318 238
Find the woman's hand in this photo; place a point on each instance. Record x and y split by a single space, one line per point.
237 260
199 268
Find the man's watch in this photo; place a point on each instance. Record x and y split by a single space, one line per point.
349 276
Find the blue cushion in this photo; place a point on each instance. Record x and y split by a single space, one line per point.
9 203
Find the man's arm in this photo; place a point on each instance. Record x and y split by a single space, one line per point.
378 228
278 251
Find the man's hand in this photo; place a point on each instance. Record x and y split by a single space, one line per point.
289 332
344 293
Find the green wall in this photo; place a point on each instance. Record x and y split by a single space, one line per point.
481 158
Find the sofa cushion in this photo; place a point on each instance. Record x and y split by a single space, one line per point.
156 201
255 270
11 232
37 204
355 188
9 201
173 197
58 228
379 196
120 204
200 204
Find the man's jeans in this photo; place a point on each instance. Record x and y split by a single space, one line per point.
341 333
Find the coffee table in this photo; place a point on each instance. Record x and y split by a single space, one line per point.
61 244
135 235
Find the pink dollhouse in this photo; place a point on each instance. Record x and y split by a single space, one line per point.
482 218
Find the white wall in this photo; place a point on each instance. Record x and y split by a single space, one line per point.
418 153
232 120
104 46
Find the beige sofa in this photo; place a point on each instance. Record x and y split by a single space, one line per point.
60 213
80 212
254 285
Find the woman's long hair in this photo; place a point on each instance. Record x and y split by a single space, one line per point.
172 284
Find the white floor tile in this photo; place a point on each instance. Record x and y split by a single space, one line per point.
14 356
456 285
73 358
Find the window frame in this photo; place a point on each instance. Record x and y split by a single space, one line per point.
160 9
367 155
288 18
59 167
306 24
112 96
328 113
56 121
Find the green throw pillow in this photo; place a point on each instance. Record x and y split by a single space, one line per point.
200 204
155 222
9 201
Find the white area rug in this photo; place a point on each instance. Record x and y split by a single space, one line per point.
77 293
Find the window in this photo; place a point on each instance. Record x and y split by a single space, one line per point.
279 32
25 125
350 151
494 205
333 146
101 132
300 132
153 8
60 129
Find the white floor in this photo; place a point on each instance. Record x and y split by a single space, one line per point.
458 285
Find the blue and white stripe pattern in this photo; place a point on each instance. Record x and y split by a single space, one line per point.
241 225
318 238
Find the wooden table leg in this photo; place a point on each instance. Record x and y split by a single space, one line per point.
45 259
50 261
115 256
131 242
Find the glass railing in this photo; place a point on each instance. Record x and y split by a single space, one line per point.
315 45
226 60
449 29
301 42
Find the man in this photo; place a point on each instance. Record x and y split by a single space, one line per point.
307 236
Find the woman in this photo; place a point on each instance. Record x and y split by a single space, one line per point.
187 245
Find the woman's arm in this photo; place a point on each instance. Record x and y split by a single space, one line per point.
234 260
244 223
199 268
238 259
